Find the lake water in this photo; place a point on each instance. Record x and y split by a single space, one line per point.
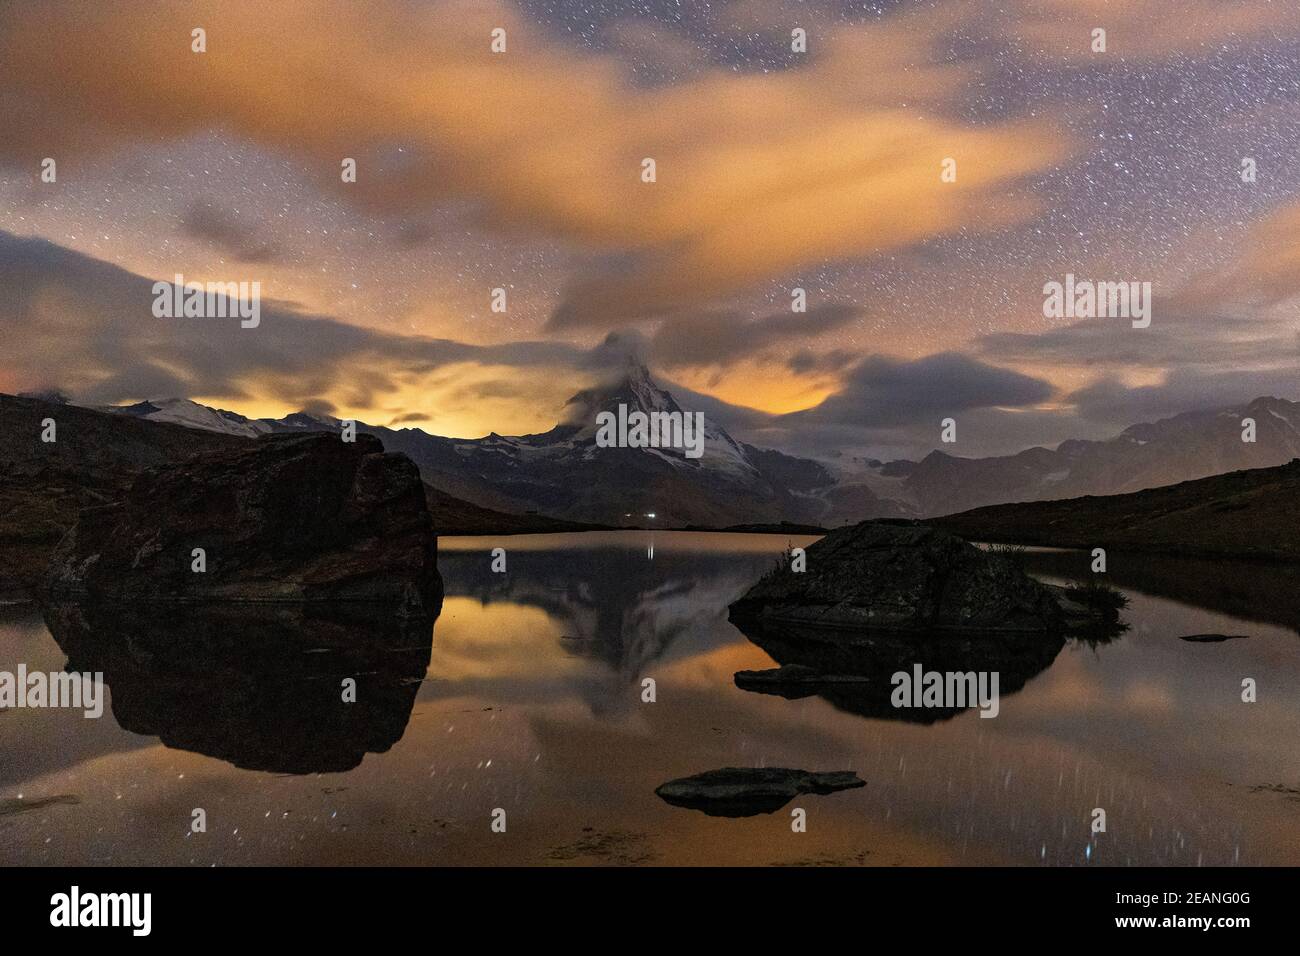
531 702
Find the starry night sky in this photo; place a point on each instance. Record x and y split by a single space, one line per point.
775 170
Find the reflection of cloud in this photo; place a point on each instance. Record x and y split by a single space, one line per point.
1148 697
509 643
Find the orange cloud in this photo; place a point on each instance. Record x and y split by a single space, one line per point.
758 174
1266 271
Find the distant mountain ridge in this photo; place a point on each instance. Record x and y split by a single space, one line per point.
563 474
182 411
1191 445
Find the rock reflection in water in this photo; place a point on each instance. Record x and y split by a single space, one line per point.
1251 590
258 686
853 670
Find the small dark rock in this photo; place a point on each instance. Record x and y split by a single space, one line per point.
747 792
793 680
1212 638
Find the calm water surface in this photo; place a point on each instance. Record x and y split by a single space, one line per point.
531 702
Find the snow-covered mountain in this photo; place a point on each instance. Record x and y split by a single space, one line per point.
182 411
563 472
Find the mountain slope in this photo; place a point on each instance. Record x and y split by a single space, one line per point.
1185 447
562 473
1243 514
454 516
182 411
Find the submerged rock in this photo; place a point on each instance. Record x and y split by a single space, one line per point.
793 680
747 792
901 577
283 518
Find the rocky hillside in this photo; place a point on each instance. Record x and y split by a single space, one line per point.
1244 514
1188 446
904 577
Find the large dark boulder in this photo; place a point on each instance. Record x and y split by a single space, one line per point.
94 459
283 518
901 577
